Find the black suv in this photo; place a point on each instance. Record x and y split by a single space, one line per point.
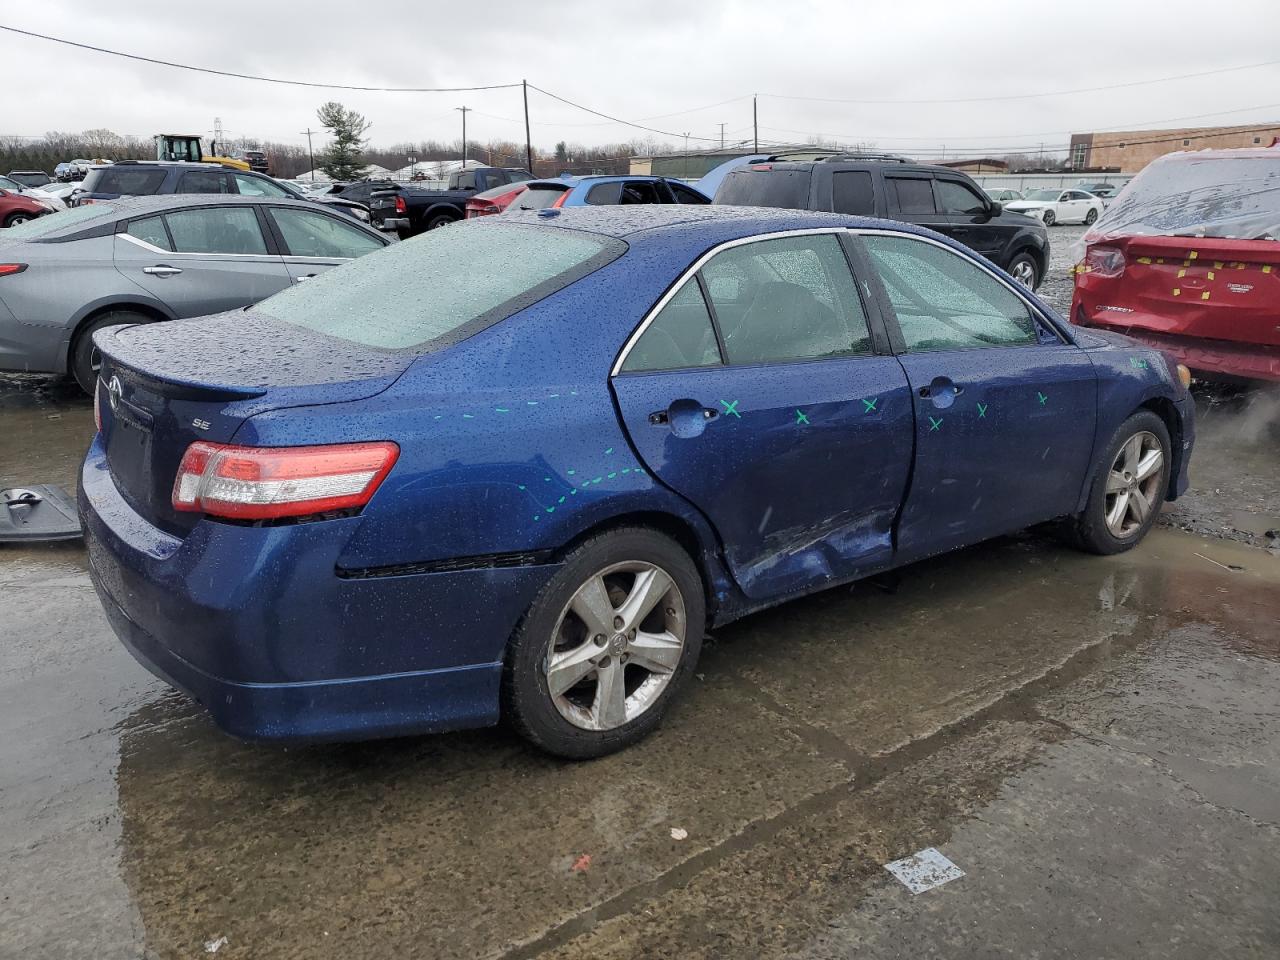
895 188
145 178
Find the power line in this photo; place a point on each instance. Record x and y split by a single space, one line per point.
247 76
625 123
1031 96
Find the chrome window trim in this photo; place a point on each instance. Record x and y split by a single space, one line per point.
691 270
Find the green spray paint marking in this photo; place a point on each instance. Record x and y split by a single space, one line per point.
627 470
561 500
982 410
467 416
934 424
870 405
520 485
572 472
596 479
731 408
532 403
612 475
1137 364
801 418
1041 397
501 410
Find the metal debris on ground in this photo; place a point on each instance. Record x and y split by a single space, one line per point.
679 833
213 946
37 513
924 870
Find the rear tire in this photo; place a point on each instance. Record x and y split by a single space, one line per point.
1050 218
644 661
85 359
1091 217
16 218
1127 491
440 220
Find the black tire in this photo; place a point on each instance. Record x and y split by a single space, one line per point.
1050 218
1021 262
527 702
1091 217
84 358
440 220
16 218
1089 530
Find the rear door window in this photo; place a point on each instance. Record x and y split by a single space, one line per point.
129 181
203 181
310 234
152 231
910 195
644 191
685 194
230 230
681 335
258 187
853 192
787 299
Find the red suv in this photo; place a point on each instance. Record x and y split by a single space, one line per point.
1187 259
16 208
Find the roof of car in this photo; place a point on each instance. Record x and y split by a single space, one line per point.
720 222
195 165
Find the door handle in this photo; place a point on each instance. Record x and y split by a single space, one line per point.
307 276
942 391
162 270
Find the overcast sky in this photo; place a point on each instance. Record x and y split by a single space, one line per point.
657 59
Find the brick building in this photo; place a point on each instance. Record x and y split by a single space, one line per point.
1130 150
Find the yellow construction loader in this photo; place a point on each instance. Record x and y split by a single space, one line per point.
187 147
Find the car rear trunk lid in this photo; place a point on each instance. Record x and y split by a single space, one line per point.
164 386
1204 287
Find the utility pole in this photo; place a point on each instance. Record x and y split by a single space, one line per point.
686 156
528 140
311 156
722 136
464 134
755 125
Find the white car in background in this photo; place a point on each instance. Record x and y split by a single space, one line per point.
54 194
1059 206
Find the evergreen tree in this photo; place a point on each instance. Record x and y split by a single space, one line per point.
344 158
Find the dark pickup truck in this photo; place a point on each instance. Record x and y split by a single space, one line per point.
409 210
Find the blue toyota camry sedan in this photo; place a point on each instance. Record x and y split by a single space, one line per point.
516 468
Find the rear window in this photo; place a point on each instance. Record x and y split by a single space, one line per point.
71 218
537 198
443 285
777 187
129 181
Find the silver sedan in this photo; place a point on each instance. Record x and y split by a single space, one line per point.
69 274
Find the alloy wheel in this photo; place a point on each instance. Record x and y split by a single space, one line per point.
1133 485
1024 273
17 219
616 645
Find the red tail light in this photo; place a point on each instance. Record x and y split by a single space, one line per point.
97 405
762 166
6 269
267 483
400 205
482 209
1106 262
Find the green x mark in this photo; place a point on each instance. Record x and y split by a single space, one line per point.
801 417
982 410
731 408
1041 397
934 424
870 404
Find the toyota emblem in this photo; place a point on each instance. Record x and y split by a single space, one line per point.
114 392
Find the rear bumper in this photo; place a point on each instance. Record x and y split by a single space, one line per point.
394 223
257 624
1213 358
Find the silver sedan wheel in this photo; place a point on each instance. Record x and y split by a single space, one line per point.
1024 273
1133 484
616 645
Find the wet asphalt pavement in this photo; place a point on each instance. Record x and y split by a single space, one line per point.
1094 742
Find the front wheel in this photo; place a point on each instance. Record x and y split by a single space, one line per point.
16 218
606 645
1129 487
1050 218
1091 217
1023 269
